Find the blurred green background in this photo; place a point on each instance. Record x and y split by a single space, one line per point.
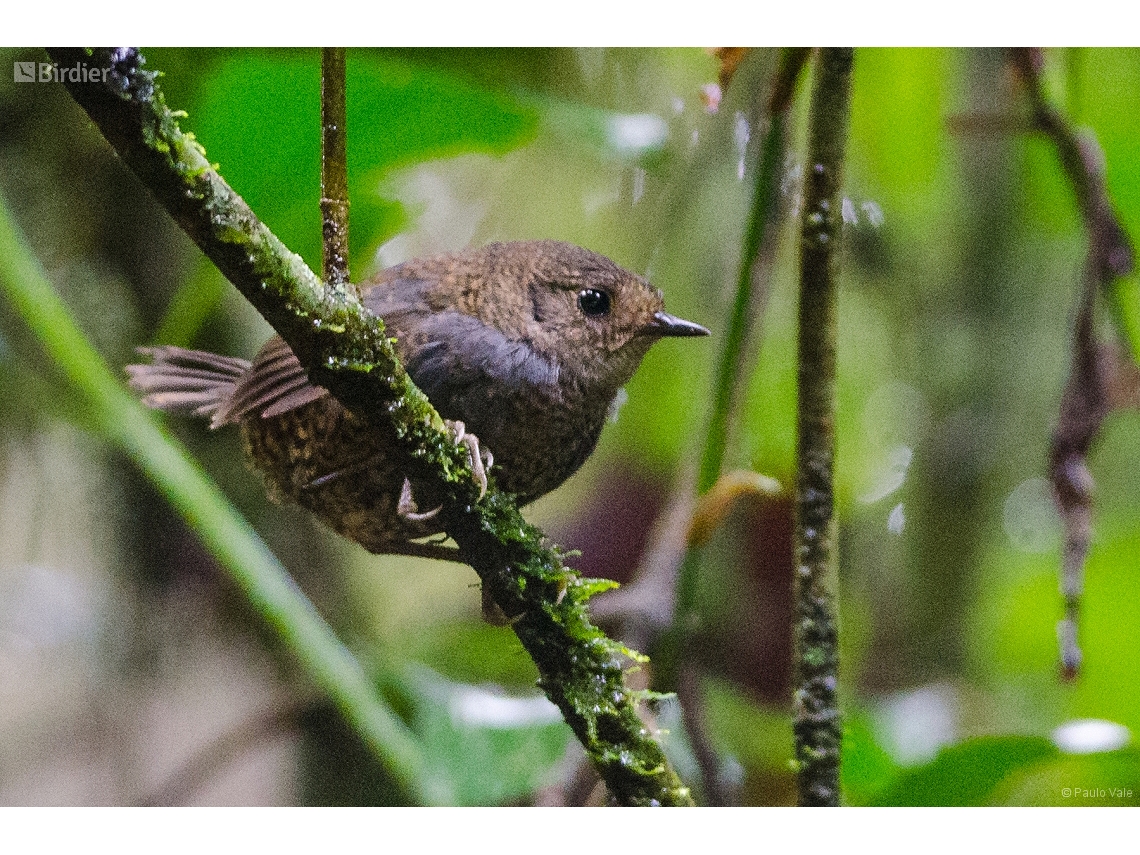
132 670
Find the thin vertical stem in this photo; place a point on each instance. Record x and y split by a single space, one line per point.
762 216
673 668
334 168
816 723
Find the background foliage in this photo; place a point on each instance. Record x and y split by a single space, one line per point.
125 654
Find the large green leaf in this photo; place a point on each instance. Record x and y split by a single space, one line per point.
482 746
1107 779
473 651
966 774
260 120
867 767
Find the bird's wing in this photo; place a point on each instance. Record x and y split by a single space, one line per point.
451 352
454 358
451 357
277 383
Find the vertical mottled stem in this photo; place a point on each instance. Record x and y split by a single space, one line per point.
334 168
817 724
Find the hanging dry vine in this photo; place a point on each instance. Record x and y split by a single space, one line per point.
1086 399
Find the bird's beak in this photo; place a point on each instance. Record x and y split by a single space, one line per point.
664 324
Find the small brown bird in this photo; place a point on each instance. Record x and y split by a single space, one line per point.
523 345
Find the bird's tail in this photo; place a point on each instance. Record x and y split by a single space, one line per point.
188 382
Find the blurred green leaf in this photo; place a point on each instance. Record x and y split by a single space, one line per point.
484 747
966 774
867 767
1105 779
475 652
262 109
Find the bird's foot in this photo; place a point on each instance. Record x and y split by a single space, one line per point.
431 549
406 506
480 459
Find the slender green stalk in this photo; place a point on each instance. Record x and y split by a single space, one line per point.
729 376
123 421
344 348
334 168
762 215
672 671
816 723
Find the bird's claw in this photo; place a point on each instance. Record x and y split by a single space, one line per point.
406 507
478 458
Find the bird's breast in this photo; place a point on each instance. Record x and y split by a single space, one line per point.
538 435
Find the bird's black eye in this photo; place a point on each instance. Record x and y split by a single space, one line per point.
593 302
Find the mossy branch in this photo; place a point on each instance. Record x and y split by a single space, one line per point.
344 348
816 718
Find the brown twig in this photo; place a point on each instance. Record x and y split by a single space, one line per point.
690 697
334 168
1085 401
